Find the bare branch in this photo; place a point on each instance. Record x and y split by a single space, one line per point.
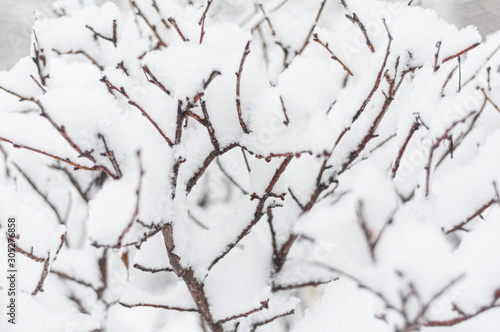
138 199
171 20
361 26
263 305
436 145
413 129
259 211
152 270
113 39
316 39
126 305
256 325
461 225
42 195
313 27
238 84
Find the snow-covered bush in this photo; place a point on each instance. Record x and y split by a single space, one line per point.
199 166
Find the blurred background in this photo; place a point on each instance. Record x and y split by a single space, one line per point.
16 17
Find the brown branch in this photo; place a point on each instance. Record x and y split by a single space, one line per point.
40 85
175 174
363 285
287 121
64 160
152 79
153 270
388 100
126 305
171 20
356 19
485 63
81 52
313 27
151 26
270 219
113 39
208 160
246 160
301 206
138 199
463 318
436 56
413 129
30 254
266 18
46 264
280 258
464 135
145 237
202 20
111 156
238 84
489 99
367 232
45 272
315 283
63 275
451 57
143 112
208 125
62 131
42 195
447 80
155 6
39 59
461 225
263 305
316 39
229 177
436 145
259 211
377 80
256 325
195 287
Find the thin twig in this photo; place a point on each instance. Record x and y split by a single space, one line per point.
313 27
316 39
238 84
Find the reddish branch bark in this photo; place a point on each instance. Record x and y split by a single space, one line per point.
238 84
